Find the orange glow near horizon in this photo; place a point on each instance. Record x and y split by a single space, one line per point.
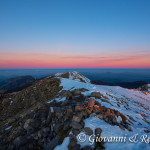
30 60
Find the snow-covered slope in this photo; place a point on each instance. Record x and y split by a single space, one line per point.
135 105
72 76
78 77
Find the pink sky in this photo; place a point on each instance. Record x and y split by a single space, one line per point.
71 34
18 60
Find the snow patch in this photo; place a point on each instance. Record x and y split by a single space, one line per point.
8 128
119 119
58 99
86 142
115 131
64 145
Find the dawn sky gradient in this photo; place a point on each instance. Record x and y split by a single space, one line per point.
74 34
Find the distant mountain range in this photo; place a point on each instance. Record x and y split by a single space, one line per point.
129 85
21 82
16 84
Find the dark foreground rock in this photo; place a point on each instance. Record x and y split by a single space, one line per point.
42 125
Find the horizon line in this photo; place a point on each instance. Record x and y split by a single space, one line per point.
63 68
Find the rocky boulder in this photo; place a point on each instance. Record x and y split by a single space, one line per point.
91 102
96 95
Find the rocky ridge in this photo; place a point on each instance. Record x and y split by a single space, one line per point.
71 75
43 115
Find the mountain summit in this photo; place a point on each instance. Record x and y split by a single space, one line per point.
72 76
62 111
